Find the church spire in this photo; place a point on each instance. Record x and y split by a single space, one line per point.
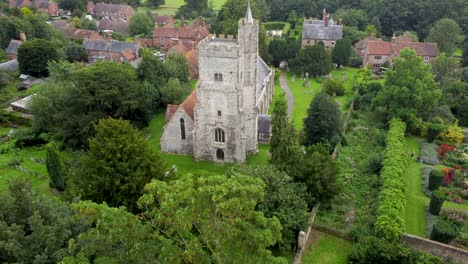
248 14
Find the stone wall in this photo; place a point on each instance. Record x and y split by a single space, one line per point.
435 248
171 139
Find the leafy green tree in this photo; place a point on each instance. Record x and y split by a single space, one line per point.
213 218
11 27
69 109
5 78
55 167
283 49
174 92
341 52
141 23
72 5
33 228
75 52
283 147
117 236
155 3
323 121
333 87
293 19
353 18
177 67
446 70
41 29
117 165
284 199
447 34
228 17
318 172
456 96
353 34
62 70
410 88
195 8
465 54
313 59
33 56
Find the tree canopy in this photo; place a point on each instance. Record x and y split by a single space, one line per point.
141 23
117 165
341 52
447 34
34 55
312 59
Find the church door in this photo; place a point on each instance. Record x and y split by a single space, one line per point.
220 154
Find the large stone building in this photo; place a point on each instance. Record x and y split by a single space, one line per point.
325 30
219 120
375 52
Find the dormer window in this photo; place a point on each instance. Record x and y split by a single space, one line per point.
426 58
218 77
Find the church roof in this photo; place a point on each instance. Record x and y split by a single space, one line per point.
262 72
188 105
264 124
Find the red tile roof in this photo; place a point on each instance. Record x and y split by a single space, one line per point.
188 105
190 32
127 54
421 48
375 47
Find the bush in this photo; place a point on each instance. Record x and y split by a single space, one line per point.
444 231
452 135
455 216
436 178
392 197
462 238
437 200
25 136
334 87
433 131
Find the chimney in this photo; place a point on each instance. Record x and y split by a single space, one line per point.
372 36
326 18
109 37
394 38
182 22
22 36
340 21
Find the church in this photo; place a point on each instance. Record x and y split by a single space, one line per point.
220 119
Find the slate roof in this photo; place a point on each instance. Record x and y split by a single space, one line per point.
115 46
262 72
114 25
11 65
13 46
264 124
315 29
188 105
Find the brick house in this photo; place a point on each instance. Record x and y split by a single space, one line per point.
111 11
325 30
119 26
75 33
170 35
375 52
50 8
111 50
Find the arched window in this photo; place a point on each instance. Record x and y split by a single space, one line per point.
219 135
182 128
218 77
220 154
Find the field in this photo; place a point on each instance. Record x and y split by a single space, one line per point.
304 95
327 249
170 7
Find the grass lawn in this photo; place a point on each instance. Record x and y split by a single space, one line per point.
416 200
328 250
304 95
171 6
185 163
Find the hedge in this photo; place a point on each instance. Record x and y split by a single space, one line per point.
392 197
444 231
436 178
437 200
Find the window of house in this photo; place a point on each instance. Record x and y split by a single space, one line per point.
333 42
308 42
378 57
219 113
426 58
219 135
182 128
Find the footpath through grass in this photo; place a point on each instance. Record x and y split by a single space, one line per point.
417 201
186 163
327 249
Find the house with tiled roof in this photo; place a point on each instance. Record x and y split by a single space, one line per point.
75 33
108 25
12 49
220 121
111 11
170 35
325 30
111 50
50 8
376 52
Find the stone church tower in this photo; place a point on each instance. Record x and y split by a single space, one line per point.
235 86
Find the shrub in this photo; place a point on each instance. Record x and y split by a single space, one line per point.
453 134
462 238
436 178
55 167
455 216
433 131
437 200
444 231
392 197
334 87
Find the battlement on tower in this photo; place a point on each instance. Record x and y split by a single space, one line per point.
219 46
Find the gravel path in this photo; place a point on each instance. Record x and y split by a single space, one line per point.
287 91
